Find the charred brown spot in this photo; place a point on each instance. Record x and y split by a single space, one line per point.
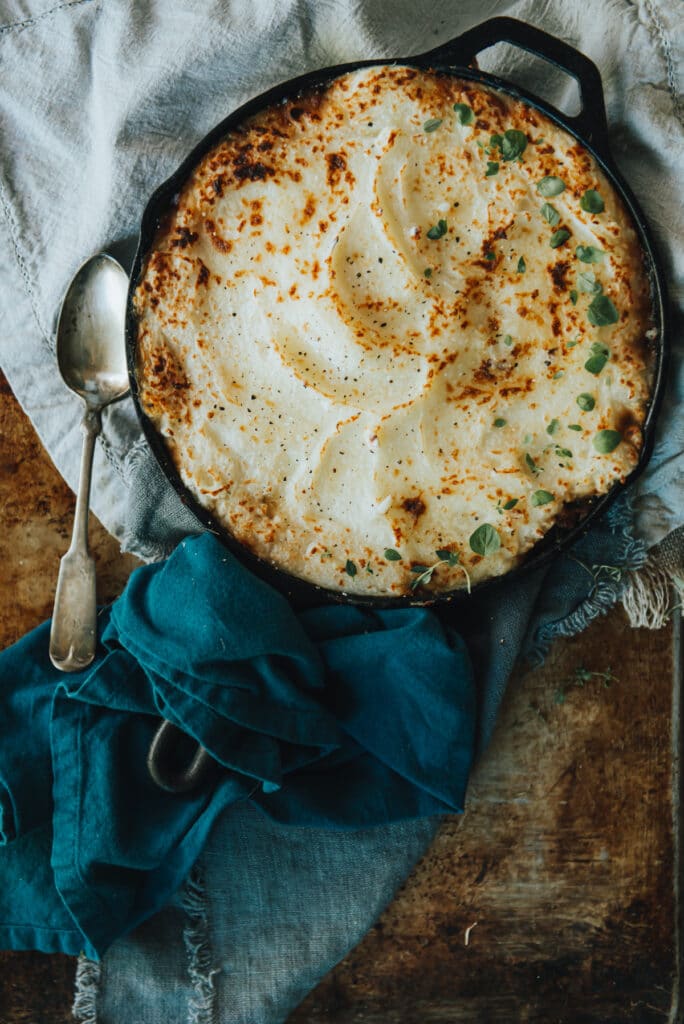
309 209
166 383
220 244
484 372
245 168
559 274
217 185
203 275
626 423
337 164
253 172
184 238
414 506
297 113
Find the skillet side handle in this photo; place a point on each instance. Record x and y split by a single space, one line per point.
591 122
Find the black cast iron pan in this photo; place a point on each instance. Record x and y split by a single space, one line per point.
455 57
589 127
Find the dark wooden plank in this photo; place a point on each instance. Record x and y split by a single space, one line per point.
552 899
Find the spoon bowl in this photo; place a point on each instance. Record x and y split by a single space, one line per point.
91 355
91 351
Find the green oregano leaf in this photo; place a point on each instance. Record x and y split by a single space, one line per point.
550 214
513 144
499 422
600 355
427 272
558 237
492 168
574 426
522 267
606 441
424 575
589 254
541 498
591 202
573 296
507 340
451 557
464 114
552 427
531 464
550 186
485 540
602 312
511 503
350 568
432 125
439 229
391 555
586 402
586 282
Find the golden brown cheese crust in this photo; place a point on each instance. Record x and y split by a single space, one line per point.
394 330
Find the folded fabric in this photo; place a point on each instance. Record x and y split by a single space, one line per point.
338 717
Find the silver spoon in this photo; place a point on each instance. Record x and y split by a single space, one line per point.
92 361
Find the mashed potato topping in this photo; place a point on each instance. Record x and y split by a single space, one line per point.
393 330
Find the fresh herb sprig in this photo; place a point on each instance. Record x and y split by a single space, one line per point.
444 557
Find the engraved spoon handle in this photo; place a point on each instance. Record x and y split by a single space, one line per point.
73 635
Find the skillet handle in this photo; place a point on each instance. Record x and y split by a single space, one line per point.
160 760
590 123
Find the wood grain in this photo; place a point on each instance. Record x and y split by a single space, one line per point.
551 900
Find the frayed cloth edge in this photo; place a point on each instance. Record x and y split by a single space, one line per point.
648 597
202 1005
606 591
88 977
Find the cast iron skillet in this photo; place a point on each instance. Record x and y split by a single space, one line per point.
589 127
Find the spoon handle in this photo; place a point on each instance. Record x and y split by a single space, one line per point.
73 635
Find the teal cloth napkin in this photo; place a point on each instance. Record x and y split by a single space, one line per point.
337 717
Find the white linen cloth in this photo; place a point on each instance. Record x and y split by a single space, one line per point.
101 99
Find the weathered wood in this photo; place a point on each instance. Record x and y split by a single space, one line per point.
564 857
552 899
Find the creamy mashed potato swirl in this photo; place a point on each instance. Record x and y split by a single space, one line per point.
395 329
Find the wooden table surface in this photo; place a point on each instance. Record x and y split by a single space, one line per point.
552 899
